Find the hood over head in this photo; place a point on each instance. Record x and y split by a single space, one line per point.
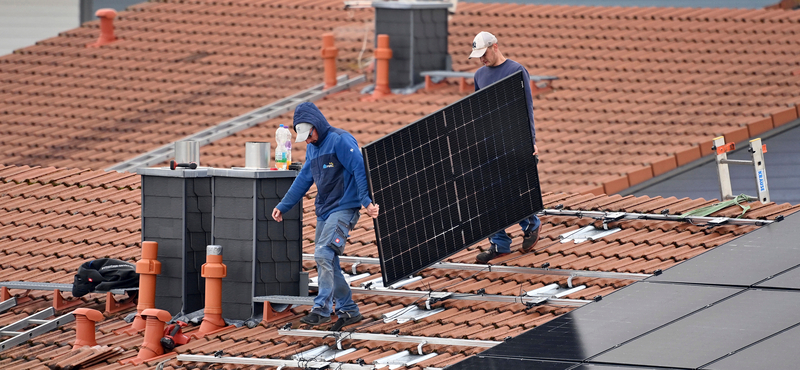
309 113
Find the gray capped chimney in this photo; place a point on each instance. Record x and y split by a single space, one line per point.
417 36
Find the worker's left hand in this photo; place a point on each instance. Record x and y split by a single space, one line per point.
535 150
373 210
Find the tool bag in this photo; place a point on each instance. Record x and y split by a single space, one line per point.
104 274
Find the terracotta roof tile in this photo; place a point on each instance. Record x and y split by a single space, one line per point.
641 91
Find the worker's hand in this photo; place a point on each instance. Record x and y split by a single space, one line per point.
535 150
277 215
373 210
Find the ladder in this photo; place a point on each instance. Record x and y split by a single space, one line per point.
18 337
757 149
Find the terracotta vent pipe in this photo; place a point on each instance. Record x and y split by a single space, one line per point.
383 53
213 270
329 53
85 318
151 346
147 268
106 27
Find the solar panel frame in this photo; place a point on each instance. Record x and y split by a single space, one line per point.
453 178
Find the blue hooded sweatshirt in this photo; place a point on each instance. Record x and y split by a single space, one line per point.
334 163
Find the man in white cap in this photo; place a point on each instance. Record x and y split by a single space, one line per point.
333 162
495 68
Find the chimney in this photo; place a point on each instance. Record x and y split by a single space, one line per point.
147 268
329 53
85 318
418 31
106 27
176 213
213 270
151 346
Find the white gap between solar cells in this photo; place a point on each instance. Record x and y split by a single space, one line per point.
586 233
322 353
409 313
401 359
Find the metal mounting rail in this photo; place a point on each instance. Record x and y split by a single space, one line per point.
27 285
240 123
439 296
8 303
44 326
305 364
617 216
500 268
389 338
443 74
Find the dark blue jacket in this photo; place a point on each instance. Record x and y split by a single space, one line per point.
486 76
334 163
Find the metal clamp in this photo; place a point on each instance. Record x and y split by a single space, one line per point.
419 347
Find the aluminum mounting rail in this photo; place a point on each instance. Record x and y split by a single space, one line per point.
506 269
43 326
389 338
240 123
617 216
436 296
27 285
305 364
443 74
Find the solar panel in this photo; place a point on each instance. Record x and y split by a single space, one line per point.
453 178
744 261
592 329
776 352
712 333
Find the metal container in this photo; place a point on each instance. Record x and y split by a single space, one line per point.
187 151
256 154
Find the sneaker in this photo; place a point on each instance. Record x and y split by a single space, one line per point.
489 255
315 319
530 239
344 321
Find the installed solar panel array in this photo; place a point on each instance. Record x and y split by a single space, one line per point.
453 178
731 308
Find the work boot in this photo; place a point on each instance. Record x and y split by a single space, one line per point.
489 255
344 321
315 319
529 239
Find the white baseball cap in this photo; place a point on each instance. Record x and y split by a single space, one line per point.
482 41
303 129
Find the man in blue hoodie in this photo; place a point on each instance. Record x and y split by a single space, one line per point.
495 68
333 162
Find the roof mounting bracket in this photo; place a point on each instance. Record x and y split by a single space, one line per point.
409 313
436 297
612 217
569 281
353 268
589 232
404 358
419 347
323 353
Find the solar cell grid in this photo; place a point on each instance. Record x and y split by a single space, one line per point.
453 178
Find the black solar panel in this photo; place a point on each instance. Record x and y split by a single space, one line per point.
453 178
